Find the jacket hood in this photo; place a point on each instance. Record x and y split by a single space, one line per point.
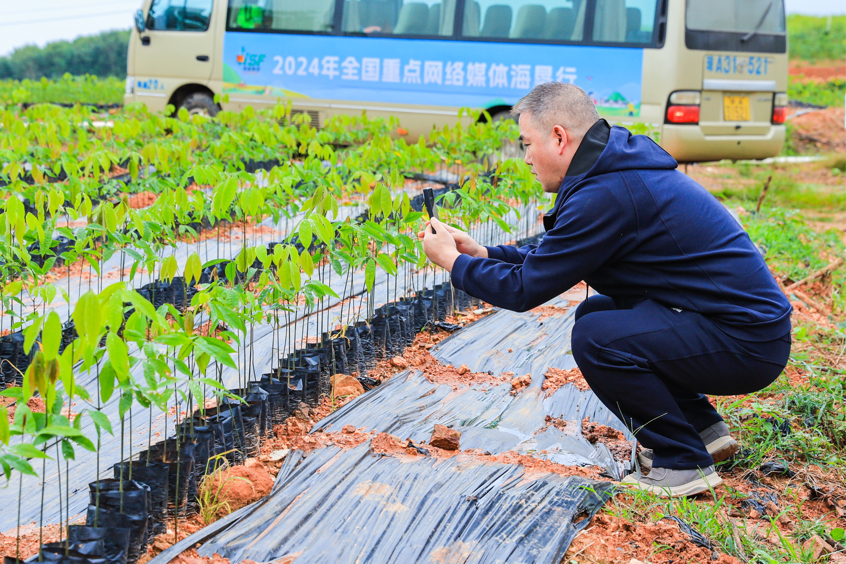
623 151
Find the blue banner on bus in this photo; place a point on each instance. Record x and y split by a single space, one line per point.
424 71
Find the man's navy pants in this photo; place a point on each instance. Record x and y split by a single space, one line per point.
650 365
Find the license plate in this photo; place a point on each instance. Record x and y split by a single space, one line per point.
736 108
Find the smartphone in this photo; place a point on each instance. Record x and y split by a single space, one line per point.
429 202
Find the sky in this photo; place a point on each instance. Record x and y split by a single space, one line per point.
42 21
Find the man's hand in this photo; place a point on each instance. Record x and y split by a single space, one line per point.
440 247
464 243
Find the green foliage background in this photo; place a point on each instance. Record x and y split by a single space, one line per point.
100 55
812 38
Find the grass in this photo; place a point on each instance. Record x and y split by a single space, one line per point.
212 493
818 93
67 90
816 38
786 190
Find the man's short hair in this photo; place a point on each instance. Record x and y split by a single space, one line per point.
555 103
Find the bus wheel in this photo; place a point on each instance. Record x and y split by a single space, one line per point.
511 148
200 103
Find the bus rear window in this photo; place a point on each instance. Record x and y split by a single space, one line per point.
736 16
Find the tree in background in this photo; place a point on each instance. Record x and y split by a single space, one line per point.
101 55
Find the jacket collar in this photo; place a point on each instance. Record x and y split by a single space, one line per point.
585 157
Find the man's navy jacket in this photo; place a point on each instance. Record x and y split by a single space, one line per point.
634 227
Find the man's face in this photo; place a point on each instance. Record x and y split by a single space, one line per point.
544 151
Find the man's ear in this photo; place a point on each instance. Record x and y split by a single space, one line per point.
560 135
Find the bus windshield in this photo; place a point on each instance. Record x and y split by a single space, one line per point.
736 16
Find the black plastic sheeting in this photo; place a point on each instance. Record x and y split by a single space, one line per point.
353 506
489 417
360 506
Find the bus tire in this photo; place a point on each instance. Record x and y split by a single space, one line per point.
200 103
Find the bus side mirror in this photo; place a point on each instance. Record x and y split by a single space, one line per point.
140 25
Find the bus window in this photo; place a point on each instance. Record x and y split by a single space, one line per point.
281 15
397 18
555 20
624 21
762 16
179 15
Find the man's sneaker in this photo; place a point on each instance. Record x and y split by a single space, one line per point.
719 442
667 482
645 458
717 438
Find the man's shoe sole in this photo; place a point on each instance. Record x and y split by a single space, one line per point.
722 448
697 486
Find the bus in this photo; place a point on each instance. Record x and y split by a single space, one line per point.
709 75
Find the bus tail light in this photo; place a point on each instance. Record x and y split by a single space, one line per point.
683 107
780 108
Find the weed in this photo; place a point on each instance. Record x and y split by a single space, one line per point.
211 493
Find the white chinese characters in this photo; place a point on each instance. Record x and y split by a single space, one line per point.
467 74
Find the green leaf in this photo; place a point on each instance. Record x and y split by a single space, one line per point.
838 534
18 464
87 316
224 194
107 381
31 333
60 431
216 349
324 229
27 450
173 339
4 425
100 420
228 316
67 451
386 263
370 274
305 233
119 355
85 443
306 262
125 403
193 269
386 203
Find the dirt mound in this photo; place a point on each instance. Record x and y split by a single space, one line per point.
613 539
819 72
142 200
820 131
237 486
610 437
556 377
29 540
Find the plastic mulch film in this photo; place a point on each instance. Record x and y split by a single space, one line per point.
358 506
354 506
489 416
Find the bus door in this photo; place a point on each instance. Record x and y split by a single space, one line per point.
177 46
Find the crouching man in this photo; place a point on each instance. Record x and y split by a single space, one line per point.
686 304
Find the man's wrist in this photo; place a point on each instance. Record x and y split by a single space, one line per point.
481 252
449 259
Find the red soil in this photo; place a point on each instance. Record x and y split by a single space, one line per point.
142 200
556 377
612 539
820 130
610 437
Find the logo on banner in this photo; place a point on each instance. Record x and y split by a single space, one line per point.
249 62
